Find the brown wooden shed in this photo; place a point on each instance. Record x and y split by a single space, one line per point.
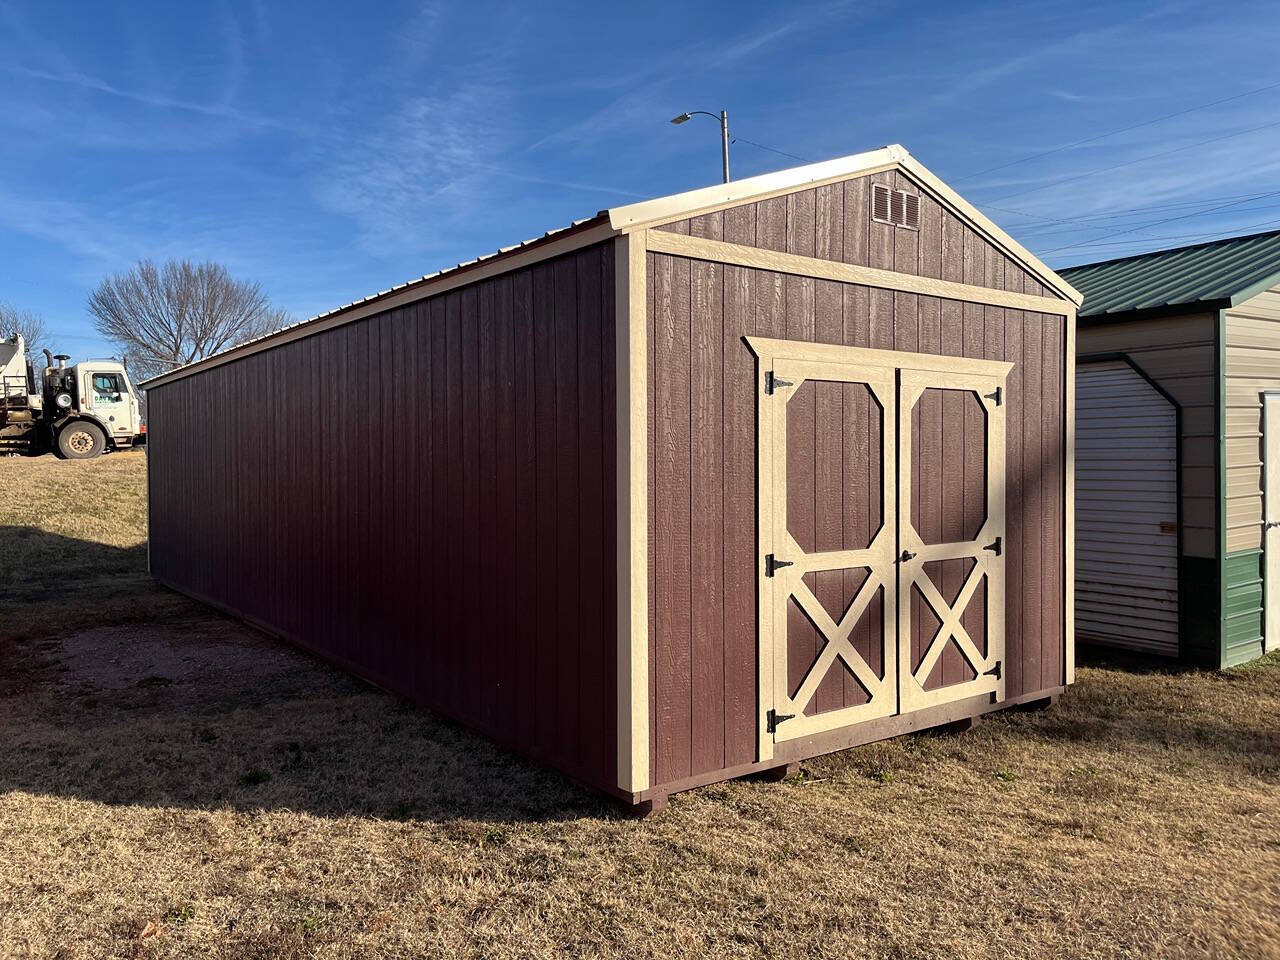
697 487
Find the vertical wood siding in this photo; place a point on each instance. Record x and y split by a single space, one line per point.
702 410
833 222
833 502
426 497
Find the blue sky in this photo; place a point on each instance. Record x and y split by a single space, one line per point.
329 150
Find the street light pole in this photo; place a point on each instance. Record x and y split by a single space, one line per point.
724 134
724 143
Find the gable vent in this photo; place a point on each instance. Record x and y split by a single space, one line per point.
911 210
880 203
897 207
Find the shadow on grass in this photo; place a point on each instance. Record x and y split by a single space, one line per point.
1131 661
1225 720
119 691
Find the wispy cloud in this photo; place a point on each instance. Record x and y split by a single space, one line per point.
84 81
413 167
649 90
1072 96
69 225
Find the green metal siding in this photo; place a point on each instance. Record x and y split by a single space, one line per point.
1202 273
1242 619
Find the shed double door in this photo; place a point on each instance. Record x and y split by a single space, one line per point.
881 495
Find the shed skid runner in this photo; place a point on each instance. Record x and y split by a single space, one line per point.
701 487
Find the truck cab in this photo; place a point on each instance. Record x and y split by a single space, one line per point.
91 406
80 411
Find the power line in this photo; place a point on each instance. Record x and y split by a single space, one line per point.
1184 238
1068 229
1112 133
1129 163
761 146
1156 223
1080 223
1121 212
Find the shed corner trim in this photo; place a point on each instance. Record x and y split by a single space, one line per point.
631 351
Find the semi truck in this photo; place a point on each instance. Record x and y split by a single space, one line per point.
78 411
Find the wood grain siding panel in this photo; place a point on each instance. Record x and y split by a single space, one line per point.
706 454
1178 354
754 302
814 216
452 537
671 483
1252 366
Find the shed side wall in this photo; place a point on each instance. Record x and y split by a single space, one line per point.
426 497
1252 366
703 556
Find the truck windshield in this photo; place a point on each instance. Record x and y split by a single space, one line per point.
106 386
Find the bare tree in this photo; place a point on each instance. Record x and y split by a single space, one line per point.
165 316
26 323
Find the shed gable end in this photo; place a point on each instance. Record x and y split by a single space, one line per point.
838 222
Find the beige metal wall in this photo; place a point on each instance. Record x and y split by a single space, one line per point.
1252 365
1178 353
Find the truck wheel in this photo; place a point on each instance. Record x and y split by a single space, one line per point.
81 441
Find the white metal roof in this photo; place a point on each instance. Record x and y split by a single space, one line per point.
636 216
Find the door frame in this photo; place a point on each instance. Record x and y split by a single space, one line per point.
912 694
878 556
1270 514
767 352
1113 355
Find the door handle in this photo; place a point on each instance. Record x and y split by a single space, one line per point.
1271 523
906 555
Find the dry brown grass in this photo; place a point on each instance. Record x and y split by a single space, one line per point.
162 765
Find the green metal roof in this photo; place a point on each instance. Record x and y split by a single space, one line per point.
1220 271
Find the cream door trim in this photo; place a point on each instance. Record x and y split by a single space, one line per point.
988 565
1270 515
882 371
835 353
788 583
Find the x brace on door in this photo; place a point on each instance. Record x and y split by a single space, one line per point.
888 676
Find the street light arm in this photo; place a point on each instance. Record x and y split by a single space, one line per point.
724 133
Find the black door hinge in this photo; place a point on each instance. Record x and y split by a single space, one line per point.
772 564
773 718
994 671
994 395
994 547
772 382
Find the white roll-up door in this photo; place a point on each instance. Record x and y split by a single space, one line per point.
1126 510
